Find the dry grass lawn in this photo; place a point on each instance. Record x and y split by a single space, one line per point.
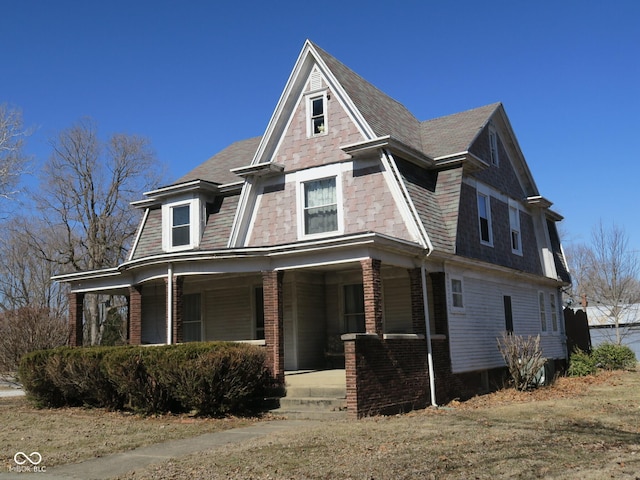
578 429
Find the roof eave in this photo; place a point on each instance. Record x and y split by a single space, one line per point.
367 147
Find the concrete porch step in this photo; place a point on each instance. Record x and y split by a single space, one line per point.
313 404
312 391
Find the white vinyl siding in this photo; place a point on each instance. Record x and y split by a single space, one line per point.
473 334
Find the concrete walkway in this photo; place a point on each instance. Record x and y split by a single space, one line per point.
120 463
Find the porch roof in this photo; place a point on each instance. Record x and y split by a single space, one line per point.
304 254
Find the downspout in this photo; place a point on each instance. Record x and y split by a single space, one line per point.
425 301
169 304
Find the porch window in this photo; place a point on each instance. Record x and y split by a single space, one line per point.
320 206
191 318
353 308
180 226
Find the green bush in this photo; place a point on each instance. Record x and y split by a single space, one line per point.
614 357
214 378
581 364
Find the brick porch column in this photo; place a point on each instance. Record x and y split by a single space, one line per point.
76 314
274 322
178 283
372 285
135 314
417 302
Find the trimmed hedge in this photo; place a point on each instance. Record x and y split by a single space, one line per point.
213 378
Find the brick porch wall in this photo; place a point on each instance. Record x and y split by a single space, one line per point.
385 376
76 313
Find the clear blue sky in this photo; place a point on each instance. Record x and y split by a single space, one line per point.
195 76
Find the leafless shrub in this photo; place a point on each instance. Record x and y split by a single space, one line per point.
25 330
523 356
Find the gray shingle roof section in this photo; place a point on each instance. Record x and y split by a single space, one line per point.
216 233
150 242
454 133
218 168
384 115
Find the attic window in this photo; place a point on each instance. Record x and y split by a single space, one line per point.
182 224
316 114
493 146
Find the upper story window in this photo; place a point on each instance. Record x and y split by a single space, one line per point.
493 146
182 224
320 201
320 206
514 222
317 115
484 218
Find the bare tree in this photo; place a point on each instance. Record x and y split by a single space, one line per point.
12 158
607 273
86 187
25 275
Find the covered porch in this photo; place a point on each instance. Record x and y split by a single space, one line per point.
324 311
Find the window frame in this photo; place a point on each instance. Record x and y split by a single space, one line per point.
316 174
310 98
196 222
514 228
553 308
199 321
487 197
542 309
360 317
494 155
453 294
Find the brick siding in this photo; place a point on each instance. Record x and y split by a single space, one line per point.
76 311
135 314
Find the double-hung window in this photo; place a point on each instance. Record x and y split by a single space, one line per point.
317 115
191 318
180 225
353 308
554 312
543 312
514 222
320 206
484 217
457 294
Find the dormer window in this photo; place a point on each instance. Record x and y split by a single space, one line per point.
316 114
182 224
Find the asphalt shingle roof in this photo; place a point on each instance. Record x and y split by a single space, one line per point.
217 169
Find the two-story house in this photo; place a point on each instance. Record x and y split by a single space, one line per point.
411 243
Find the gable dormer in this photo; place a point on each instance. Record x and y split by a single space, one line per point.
182 213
